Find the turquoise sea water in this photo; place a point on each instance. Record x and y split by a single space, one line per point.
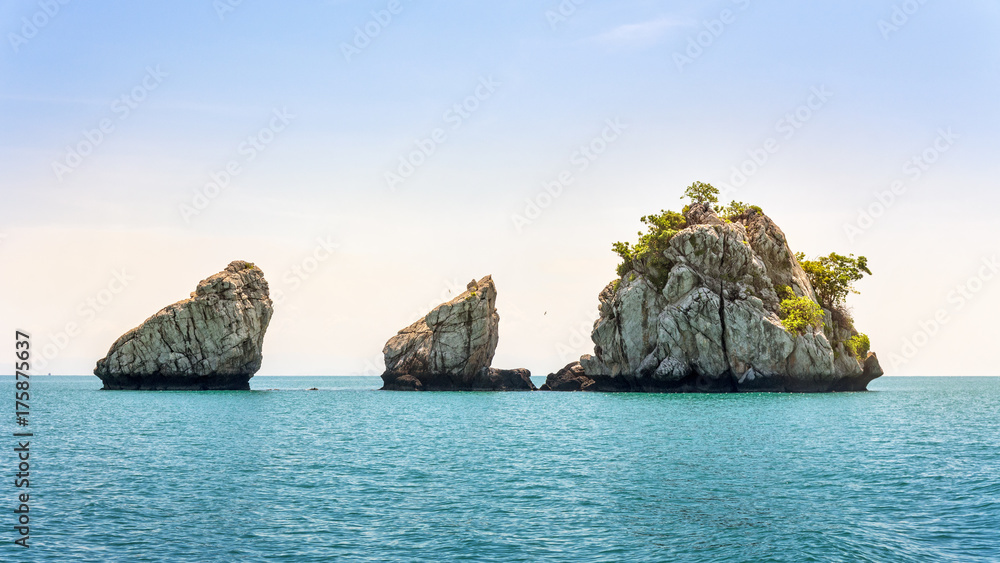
909 472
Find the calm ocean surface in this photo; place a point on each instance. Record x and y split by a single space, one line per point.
909 472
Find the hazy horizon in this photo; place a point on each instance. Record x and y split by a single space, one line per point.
859 127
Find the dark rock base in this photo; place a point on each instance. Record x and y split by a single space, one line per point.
177 383
573 378
486 379
569 378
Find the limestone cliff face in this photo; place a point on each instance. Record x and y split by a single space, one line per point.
714 325
452 347
211 341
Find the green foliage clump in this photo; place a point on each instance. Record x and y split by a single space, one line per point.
833 276
859 344
700 192
784 292
248 266
649 250
734 209
800 313
646 255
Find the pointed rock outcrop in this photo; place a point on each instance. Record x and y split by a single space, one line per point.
713 324
452 348
211 341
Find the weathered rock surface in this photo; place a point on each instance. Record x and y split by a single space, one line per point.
211 341
569 378
714 325
452 348
493 379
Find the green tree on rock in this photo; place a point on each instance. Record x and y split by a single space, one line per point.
649 250
700 192
736 208
833 276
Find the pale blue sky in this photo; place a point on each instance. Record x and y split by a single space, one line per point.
554 85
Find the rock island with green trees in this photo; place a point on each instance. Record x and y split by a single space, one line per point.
709 299
713 299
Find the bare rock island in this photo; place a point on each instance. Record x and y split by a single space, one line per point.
708 320
451 349
211 341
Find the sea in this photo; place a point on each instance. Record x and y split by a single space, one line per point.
909 471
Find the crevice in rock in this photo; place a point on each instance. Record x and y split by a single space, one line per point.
468 341
620 340
722 311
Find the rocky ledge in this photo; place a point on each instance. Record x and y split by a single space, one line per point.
451 348
211 341
709 320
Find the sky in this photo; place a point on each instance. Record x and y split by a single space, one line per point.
372 157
